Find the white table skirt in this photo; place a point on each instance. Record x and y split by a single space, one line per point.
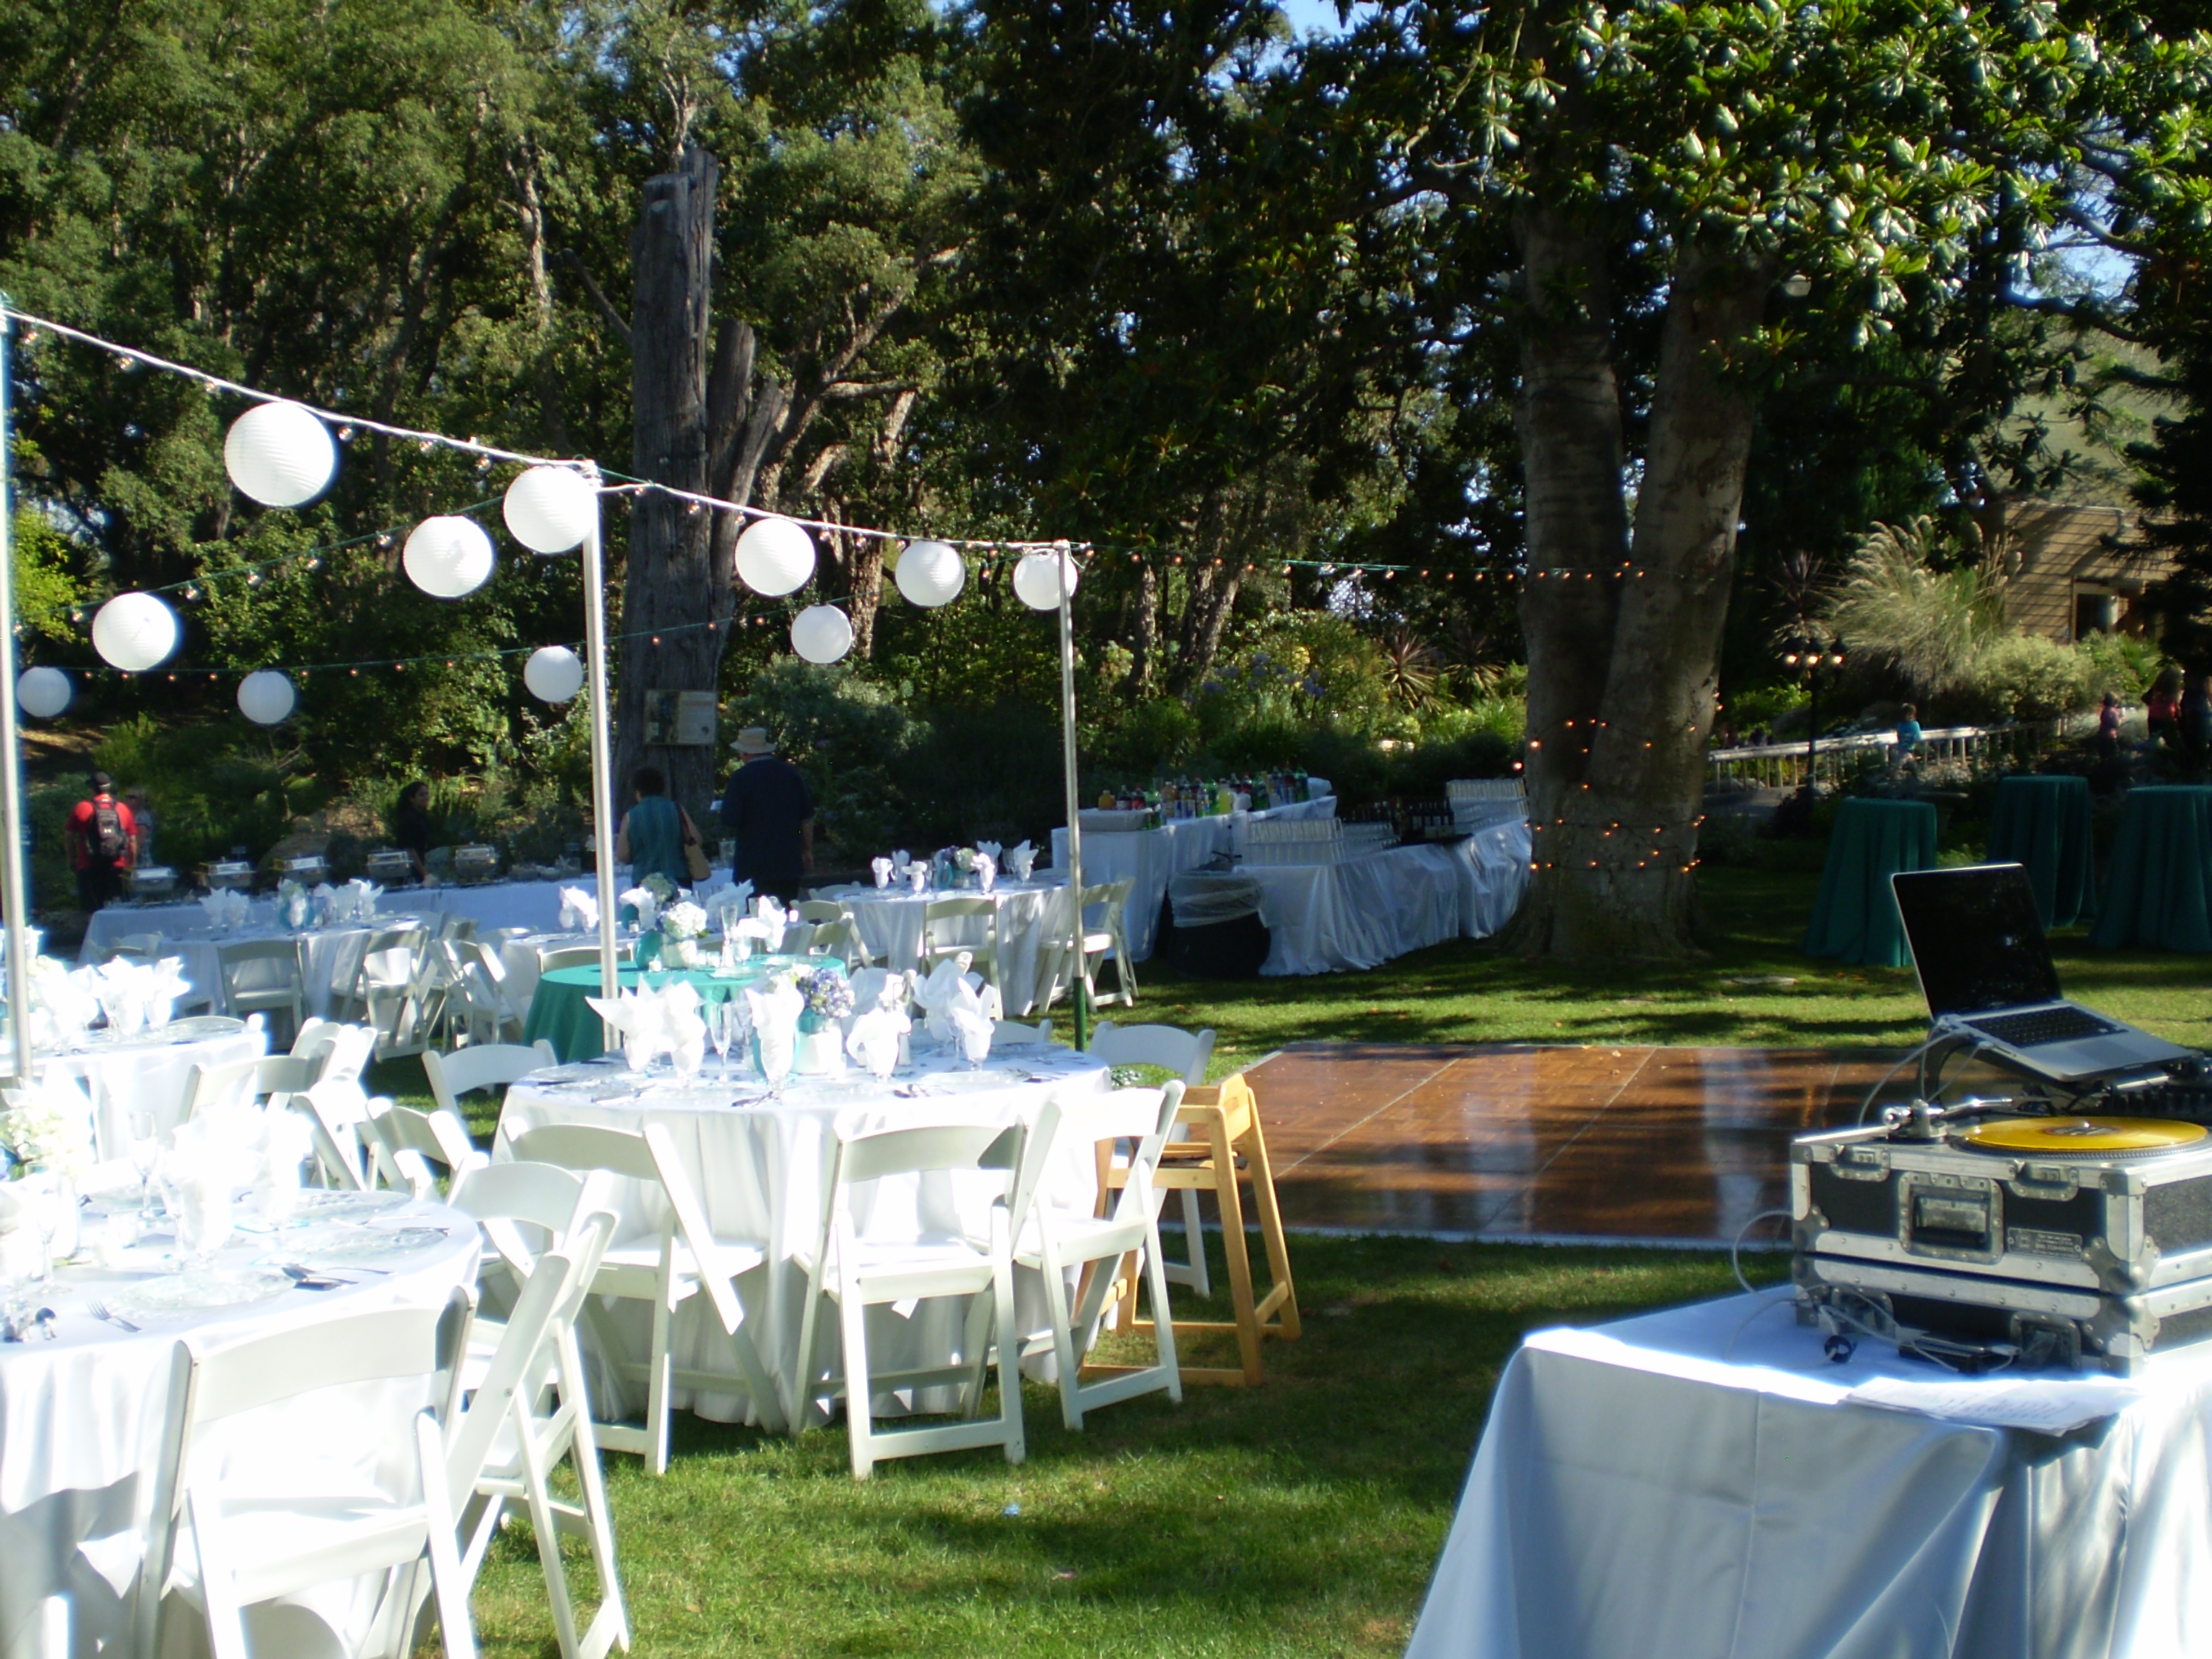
761 1172
889 921
1147 858
1494 875
329 957
1692 1483
149 1073
81 1424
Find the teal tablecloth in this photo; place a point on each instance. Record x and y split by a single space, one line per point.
560 1014
2042 823
2157 889
1855 919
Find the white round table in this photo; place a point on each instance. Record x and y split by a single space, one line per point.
148 1072
329 957
760 1167
889 922
81 1428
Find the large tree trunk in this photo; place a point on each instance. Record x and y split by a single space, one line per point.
1624 642
670 587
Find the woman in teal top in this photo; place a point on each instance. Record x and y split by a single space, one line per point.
653 832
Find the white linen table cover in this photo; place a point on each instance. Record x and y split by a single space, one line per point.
151 1073
329 957
889 922
1148 859
1694 1483
760 1170
81 1423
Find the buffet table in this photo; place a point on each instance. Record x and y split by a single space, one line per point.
81 1428
761 1164
1149 858
1700 1482
1362 912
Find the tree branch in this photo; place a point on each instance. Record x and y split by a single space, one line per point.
614 319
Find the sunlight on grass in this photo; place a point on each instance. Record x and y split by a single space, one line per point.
1303 1517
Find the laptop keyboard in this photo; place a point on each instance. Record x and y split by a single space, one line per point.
2043 1025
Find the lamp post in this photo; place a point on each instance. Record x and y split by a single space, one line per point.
1811 649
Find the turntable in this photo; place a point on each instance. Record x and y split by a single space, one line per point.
2089 1237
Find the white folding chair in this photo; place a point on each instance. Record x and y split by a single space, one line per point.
943 918
1012 1033
481 1065
836 931
412 1145
476 1002
502 1452
249 1544
1057 1239
858 1274
314 1038
336 1108
1186 1054
686 1259
261 975
276 1078
392 991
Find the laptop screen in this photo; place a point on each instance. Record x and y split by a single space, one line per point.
1976 939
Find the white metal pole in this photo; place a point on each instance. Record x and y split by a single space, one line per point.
1074 802
603 793
12 896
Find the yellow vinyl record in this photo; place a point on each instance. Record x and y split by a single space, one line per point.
2084 1137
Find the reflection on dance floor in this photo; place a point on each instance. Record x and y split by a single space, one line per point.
1527 1142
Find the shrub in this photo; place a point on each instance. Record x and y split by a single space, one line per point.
2022 677
2123 665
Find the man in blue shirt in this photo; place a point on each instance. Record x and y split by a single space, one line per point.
769 810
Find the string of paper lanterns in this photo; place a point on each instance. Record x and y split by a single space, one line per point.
554 674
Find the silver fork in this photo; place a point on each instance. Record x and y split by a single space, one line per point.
100 1311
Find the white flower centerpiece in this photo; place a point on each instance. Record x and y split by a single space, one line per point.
47 1136
681 926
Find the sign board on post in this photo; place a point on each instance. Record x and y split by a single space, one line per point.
680 719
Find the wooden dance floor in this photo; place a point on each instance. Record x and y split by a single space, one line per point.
1623 1143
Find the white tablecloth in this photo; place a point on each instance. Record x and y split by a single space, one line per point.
1146 859
1493 874
889 921
329 957
1692 1483
81 1421
149 1073
760 1169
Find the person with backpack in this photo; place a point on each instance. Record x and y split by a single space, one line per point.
102 838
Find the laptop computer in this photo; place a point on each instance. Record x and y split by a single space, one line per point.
1986 973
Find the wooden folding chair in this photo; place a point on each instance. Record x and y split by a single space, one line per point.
1226 1144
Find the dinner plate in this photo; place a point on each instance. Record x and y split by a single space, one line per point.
195 1292
317 1205
342 1244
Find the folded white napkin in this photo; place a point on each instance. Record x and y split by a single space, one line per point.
322 899
686 1027
1021 860
882 868
167 984
989 849
295 908
580 911
640 1018
974 1030
767 935
640 899
775 1013
986 872
948 991
364 894
769 908
286 1141
69 999
217 907
874 1039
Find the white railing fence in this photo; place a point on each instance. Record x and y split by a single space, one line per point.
1782 765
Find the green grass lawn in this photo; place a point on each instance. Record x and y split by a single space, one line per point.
1303 1517
1300 1518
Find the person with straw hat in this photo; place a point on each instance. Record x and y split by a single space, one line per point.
769 812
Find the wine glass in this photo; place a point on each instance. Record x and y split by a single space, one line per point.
203 1221
145 1151
718 1032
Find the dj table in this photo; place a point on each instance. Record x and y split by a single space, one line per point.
1700 1482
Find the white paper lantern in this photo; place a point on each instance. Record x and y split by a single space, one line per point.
447 556
1037 586
281 454
266 697
775 556
549 509
135 632
821 633
931 573
43 693
554 674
